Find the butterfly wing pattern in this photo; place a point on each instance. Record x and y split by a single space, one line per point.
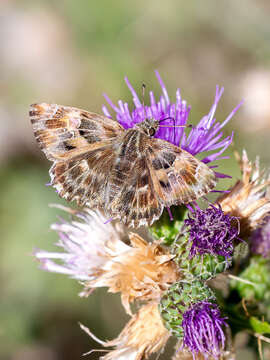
131 191
178 177
125 173
80 144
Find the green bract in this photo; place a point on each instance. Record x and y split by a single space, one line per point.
204 266
178 299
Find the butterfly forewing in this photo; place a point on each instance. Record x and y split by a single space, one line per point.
64 132
81 145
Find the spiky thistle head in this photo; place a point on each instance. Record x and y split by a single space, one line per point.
142 336
202 326
249 198
189 312
94 253
177 299
211 231
203 267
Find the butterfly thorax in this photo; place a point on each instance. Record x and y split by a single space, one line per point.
148 127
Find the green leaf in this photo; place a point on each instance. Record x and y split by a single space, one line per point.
260 327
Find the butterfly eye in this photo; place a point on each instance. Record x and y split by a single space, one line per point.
152 131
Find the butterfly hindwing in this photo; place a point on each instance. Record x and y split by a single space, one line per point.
135 201
84 177
178 177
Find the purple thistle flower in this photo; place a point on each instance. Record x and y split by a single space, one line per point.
211 231
260 240
202 325
205 137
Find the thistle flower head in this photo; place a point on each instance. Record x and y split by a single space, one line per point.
189 313
95 254
205 137
143 272
143 335
211 232
249 198
203 267
178 299
202 325
260 240
87 242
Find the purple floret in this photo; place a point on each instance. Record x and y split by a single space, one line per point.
211 231
202 325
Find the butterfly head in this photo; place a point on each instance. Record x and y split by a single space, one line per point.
148 126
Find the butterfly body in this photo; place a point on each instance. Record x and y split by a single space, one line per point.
127 173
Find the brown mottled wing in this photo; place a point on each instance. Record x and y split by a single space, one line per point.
81 144
178 177
130 194
64 132
84 178
132 197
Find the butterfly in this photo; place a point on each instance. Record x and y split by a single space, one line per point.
128 174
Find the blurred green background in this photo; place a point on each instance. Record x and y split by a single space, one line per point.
70 52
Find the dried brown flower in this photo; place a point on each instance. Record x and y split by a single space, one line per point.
142 272
249 198
143 335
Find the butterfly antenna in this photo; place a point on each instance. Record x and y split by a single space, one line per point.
172 118
185 126
143 93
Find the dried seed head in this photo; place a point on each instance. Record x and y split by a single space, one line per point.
249 198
